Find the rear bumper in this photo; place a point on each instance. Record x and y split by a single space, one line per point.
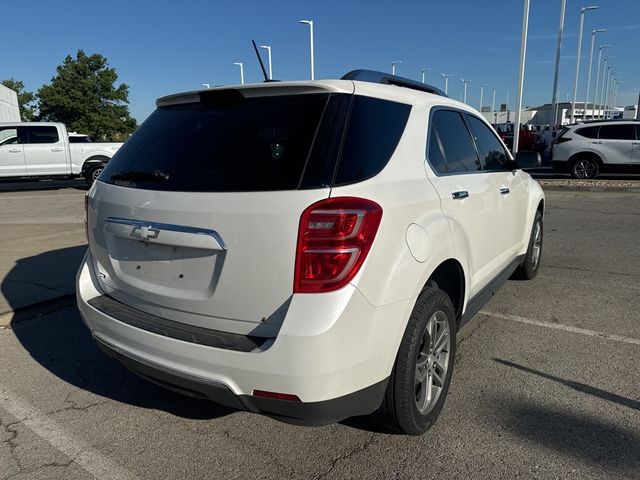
334 352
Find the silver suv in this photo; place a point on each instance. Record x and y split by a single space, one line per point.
586 149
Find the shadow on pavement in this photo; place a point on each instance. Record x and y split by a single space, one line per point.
593 441
61 343
580 387
29 184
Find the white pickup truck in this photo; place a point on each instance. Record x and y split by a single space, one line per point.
30 149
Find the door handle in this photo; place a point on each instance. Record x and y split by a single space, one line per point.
56 149
504 191
460 195
15 150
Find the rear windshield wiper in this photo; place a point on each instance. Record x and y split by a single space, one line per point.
133 175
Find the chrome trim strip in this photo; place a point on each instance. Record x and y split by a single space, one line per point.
169 227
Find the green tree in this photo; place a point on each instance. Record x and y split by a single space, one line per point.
26 100
83 95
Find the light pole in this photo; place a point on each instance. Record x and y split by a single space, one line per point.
604 72
310 23
268 49
554 96
607 98
507 104
583 10
595 92
241 71
393 66
493 102
424 76
523 53
466 82
205 85
586 97
482 85
446 82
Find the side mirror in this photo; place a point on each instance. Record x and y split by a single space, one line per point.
526 160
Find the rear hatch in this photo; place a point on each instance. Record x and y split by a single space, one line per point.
196 217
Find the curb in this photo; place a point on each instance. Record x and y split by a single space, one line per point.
28 312
589 188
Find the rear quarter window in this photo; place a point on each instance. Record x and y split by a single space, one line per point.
588 132
373 132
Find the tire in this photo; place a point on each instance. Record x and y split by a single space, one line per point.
530 265
93 173
585 168
406 408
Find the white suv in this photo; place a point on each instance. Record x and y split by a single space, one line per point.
586 149
307 250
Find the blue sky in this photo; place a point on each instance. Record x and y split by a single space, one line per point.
160 47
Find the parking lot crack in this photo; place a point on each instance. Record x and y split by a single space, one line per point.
359 448
73 405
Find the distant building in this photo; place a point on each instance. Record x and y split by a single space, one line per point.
9 111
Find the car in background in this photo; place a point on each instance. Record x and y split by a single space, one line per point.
589 148
45 149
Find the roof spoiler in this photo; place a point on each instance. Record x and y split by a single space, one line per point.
372 76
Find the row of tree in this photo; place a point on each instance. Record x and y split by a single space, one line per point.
84 96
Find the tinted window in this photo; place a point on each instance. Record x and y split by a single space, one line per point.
434 153
43 134
494 154
224 143
588 132
373 132
617 132
459 151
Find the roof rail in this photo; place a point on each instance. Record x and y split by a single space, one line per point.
372 76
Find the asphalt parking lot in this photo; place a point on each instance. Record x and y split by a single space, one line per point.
546 385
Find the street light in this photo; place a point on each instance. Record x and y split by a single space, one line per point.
523 53
482 85
205 85
393 66
604 70
310 23
583 10
446 82
493 102
607 98
554 96
241 71
586 97
595 92
268 49
466 82
424 70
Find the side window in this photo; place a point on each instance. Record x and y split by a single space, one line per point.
8 136
495 156
43 134
457 145
618 132
434 152
588 132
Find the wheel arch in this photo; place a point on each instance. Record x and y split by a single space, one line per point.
586 154
93 160
449 277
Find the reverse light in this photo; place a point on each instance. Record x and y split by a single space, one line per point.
334 238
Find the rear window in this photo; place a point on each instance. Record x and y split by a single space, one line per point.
230 143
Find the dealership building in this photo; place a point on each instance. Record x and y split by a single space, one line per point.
9 111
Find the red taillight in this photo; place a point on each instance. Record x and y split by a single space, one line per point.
275 395
334 238
86 217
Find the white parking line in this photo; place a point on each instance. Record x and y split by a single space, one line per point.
86 457
566 328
